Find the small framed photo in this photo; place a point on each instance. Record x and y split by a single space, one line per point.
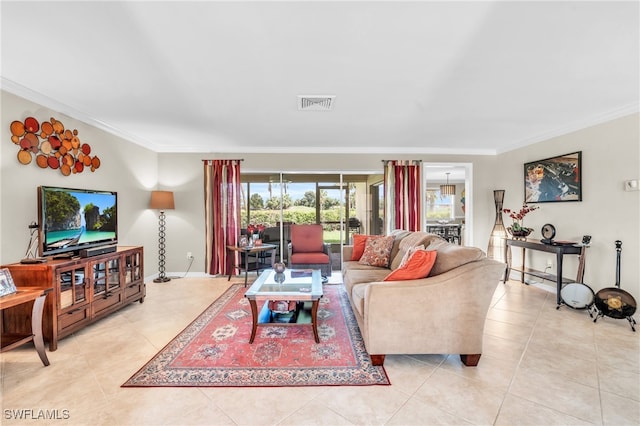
243 241
6 283
554 179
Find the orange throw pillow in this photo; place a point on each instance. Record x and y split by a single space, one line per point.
418 266
359 243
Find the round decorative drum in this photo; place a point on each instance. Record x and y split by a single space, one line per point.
577 295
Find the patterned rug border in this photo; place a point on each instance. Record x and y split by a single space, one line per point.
363 374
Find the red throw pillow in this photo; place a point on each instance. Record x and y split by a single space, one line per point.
418 266
359 242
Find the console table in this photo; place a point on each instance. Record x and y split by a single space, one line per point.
559 250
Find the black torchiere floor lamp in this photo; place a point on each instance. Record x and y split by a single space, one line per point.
161 200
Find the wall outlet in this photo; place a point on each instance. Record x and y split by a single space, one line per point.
549 264
189 255
631 185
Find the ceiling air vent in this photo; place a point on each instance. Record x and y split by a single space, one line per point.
315 102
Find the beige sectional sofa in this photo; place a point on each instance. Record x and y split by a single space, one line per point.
443 313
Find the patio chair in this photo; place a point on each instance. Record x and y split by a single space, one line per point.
307 249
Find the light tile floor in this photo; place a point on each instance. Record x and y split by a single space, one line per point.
540 366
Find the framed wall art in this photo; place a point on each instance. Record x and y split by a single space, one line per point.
554 179
6 283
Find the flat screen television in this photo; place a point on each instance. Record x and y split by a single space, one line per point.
74 219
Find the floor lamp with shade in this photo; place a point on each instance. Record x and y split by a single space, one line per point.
161 200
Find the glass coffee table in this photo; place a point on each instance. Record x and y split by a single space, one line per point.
294 285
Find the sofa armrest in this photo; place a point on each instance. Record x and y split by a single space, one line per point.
347 253
439 314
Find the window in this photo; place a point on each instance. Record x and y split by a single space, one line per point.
439 207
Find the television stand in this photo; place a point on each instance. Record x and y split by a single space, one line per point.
85 290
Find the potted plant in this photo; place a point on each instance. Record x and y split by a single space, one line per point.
517 228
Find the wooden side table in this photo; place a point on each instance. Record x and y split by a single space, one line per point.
252 250
10 339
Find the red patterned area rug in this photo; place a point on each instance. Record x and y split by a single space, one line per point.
214 350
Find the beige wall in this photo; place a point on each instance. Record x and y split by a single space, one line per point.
125 167
610 156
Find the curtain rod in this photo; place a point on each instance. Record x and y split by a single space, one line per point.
227 159
416 161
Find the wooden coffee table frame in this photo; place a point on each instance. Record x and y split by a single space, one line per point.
257 293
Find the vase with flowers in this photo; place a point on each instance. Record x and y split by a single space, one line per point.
255 233
517 228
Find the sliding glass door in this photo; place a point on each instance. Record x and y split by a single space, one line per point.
275 201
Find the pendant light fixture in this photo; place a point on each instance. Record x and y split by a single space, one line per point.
447 189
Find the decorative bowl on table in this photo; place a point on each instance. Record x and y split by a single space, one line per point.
520 232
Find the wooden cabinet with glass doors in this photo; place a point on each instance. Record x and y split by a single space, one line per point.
134 288
85 289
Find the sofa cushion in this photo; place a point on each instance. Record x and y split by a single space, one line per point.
359 276
363 276
412 240
377 251
418 266
451 256
400 235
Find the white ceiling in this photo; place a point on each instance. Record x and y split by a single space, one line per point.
409 77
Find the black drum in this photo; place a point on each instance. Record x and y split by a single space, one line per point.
614 302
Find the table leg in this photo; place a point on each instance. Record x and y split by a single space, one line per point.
314 319
36 328
559 278
523 266
254 314
507 262
246 267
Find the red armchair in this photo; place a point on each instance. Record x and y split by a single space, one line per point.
307 249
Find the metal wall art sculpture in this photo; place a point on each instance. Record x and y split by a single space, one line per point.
53 146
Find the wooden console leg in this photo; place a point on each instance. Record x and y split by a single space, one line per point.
470 360
36 328
377 359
